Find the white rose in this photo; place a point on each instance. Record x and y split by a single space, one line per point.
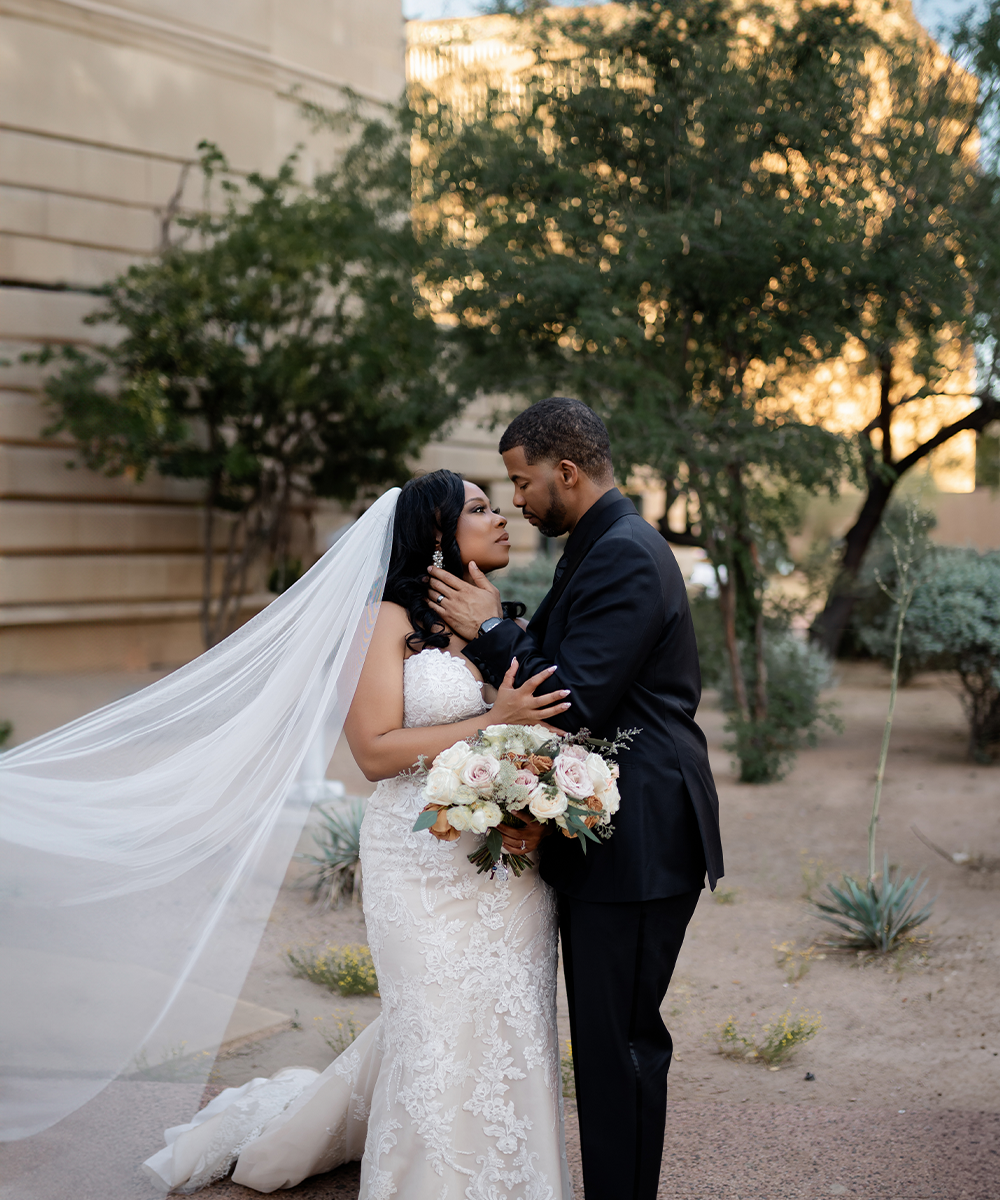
455 757
442 786
479 771
545 802
537 735
575 752
572 776
610 799
460 818
485 816
599 772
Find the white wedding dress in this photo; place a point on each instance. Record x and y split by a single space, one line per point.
454 1092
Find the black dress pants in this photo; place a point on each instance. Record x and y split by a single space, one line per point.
618 959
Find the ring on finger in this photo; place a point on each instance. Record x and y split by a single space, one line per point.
440 599
524 844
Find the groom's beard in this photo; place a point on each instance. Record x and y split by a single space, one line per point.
553 523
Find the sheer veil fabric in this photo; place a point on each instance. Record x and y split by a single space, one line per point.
142 846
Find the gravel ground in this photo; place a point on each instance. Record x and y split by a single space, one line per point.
905 1102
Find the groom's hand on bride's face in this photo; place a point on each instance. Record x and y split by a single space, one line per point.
464 606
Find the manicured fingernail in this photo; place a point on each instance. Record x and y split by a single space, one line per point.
564 692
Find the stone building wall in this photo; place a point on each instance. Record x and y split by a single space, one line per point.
101 106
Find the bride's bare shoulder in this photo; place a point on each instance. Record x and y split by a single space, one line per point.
392 625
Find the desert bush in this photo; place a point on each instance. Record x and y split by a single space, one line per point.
567 1072
796 674
336 870
341 1035
954 624
874 915
771 1043
348 970
528 584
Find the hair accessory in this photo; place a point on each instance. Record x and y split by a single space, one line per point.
437 558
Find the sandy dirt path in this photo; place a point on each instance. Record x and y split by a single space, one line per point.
906 1094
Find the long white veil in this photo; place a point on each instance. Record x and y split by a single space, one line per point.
142 846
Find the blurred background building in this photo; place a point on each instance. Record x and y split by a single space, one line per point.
102 106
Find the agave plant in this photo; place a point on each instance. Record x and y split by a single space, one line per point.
875 915
336 872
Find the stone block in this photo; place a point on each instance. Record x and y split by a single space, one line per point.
35 471
59 264
33 212
52 527
26 312
71 579
100 646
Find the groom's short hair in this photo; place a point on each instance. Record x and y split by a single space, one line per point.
559 428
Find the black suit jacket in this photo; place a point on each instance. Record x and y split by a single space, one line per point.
618 623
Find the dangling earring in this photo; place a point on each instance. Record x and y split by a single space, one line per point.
437 558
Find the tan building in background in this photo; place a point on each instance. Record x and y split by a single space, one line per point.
101 106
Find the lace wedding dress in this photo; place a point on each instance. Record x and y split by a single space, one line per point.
454 1092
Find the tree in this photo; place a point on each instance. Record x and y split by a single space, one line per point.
279 353
925 274
648 221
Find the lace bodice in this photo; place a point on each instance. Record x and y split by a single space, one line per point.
439 688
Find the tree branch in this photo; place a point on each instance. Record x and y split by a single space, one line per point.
978 419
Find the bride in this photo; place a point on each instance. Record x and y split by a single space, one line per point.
454 1092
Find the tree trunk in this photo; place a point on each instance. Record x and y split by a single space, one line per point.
829 627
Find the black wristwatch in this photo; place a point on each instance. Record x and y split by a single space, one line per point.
488 624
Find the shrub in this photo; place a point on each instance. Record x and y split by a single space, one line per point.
876 915
872 606
528 583
567 1072
336 871
796 674
954 624
6 729
348 970
342 1035
771 1043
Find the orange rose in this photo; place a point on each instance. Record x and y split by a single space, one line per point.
441 829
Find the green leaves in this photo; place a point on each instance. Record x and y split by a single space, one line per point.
877 915
278 350
425 820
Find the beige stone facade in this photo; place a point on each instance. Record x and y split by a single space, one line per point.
101 105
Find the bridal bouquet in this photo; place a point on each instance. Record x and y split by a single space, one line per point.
486 781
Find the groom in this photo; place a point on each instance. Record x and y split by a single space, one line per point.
617 623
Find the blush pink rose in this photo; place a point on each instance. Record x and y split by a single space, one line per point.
572 777
574 752
479 771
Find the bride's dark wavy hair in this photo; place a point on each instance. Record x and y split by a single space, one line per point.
426 505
